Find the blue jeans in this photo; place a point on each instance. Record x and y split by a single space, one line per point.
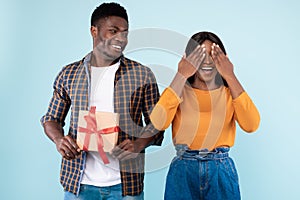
90 192
202 175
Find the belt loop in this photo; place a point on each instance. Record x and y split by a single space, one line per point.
181 149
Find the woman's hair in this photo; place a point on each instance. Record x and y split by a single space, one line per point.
198 39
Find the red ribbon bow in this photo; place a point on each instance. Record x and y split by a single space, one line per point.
91 128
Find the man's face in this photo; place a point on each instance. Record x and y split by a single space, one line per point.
110 37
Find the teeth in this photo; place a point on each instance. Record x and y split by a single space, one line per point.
116 46
207 68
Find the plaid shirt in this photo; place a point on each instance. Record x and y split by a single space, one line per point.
135 93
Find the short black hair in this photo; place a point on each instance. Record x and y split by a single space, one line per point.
106 10
198 39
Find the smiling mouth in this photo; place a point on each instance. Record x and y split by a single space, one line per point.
117 47
207 69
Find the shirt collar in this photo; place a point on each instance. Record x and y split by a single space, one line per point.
87 59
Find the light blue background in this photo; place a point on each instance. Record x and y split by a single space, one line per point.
262 40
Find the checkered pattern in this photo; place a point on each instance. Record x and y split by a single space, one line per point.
135 94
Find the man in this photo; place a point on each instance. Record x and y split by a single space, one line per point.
112 83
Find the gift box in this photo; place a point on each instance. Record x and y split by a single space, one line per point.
97 131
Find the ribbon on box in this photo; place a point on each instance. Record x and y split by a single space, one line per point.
91 128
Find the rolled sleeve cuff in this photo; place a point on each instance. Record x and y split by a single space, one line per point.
48 118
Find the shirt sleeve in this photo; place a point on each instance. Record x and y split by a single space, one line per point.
59 104
163 113
151 98
246 113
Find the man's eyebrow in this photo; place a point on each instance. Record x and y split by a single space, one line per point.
118 28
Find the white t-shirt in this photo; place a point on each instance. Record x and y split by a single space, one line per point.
102 96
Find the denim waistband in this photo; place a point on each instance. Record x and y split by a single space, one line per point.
184 152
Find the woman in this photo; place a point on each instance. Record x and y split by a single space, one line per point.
203 103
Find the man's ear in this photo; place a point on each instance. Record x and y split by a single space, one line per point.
94 31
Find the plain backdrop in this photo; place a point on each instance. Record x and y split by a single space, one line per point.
37 38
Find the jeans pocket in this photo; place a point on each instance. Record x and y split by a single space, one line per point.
232 169
175 159
230 180
83 187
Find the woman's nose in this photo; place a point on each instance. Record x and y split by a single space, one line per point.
208 59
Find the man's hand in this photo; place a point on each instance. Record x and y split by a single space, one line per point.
67 147
129 149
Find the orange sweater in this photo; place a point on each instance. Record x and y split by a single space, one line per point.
204 119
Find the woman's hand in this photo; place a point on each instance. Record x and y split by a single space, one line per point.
222 62
187 66
225 68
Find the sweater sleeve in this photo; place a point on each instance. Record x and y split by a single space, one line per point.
164 111
246 113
